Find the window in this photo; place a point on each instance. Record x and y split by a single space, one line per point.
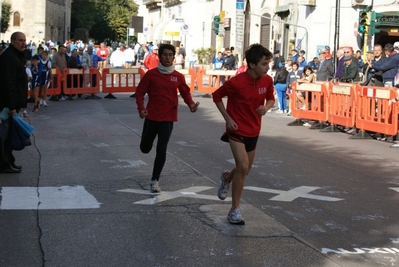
17 19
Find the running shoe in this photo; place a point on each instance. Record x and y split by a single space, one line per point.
234 217
155 187
224 186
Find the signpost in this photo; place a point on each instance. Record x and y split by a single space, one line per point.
239 26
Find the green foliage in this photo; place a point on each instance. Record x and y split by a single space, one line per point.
106 19
205 55
81 34
5 16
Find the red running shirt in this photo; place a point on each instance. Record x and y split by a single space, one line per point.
244 96
162 94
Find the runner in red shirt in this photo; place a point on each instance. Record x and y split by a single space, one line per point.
161 111
249 97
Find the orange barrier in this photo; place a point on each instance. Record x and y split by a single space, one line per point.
122 80
374 113
55 84
214 79
342 104
193 81
82 81
316 99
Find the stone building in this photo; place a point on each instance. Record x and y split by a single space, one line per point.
40 20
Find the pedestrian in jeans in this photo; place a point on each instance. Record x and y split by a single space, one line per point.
160 84
249 97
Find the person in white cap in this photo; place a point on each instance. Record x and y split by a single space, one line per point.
151 61
396 46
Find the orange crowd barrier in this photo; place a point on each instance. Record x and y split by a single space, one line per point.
315 95
342 104
81 81
122 80
374 112
210 80
190 76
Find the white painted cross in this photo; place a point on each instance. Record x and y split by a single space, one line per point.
290 195
165 195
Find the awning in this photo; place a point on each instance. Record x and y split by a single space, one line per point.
159 30
172 30
281 9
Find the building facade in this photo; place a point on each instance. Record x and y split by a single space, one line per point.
282 24
40 20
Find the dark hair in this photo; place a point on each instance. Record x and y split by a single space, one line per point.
302 51
389 47
45 52
35 57
256 52
163 47
295 63
307 68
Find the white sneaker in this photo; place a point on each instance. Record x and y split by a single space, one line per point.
155 187
307 124
44 104
279 111
303 107
25 113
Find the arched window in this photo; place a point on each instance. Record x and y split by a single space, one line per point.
17 19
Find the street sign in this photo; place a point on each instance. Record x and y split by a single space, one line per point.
172 33
131 31
145 30
185 28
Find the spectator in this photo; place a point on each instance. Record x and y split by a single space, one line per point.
294 55
36 70
307 77
340 64
278 61
182 51
292 77
302 54
103 53
360 62
13 90
192 58
229 61
314 64
301 63
151 61
327 53
217 64
178 60
326 68
60 62
389 67
280 84
243 67
350 72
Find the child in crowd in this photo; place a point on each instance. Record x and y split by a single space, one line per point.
36 70
29 74
249 97
45 78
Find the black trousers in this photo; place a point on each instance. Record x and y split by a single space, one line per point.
152 129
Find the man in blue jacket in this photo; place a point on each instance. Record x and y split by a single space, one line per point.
389 67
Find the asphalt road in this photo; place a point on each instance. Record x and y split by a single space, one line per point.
311 199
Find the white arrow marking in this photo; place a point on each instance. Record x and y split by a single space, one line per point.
293 194
190 192
395 188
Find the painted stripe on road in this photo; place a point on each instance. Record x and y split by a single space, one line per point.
42 198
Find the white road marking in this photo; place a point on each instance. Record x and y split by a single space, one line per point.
395 188
291 195
42 198
183 143
190 192
129 163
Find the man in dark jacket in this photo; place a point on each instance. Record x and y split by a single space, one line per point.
350 71
390 66
13 89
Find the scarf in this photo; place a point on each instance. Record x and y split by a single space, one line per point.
165 70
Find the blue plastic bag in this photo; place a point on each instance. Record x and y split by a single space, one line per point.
26 127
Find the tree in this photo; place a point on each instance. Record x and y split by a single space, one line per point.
5 16
119 14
